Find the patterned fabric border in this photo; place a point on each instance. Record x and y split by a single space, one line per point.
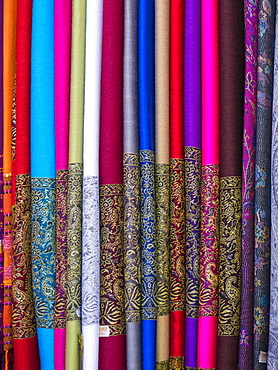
230 256
61 247
177 235
132 237
43 249
90 251
162 231
23 313
74 236
176 363
148 236
208 296
163 365
193 227
112 302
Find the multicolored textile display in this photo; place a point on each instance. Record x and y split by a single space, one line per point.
137 193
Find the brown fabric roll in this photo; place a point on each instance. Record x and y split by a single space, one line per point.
231 54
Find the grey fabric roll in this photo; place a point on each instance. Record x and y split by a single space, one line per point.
131 135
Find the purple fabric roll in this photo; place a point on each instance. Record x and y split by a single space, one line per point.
191 326
1 180
192 74
192 143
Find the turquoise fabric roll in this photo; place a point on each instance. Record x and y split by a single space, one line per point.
43 176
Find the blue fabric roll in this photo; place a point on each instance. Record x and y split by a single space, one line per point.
46 340
146 76
42 90
146 73
43 176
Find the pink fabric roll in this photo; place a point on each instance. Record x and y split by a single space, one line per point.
208 296
62 29
59 348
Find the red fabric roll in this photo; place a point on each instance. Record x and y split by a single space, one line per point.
177 216
111 116
26 354
112 349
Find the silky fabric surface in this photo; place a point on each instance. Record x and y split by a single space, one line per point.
177 208
43 177
9 37
245 356
146 94
273 328
231 77
90 218
62 45
162 178
208 296
192 149
131 188
112 347
24 328
262 182
75 176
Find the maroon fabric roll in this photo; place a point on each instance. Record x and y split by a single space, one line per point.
112 351
231 55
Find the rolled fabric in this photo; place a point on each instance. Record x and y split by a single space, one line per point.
231 89
131 179
75 180
245 356
25 342
146 93
9 37
1 184
208 295
90 217
192 155
272 362
262 183
162 179
62 49
177 194
112 351
43 177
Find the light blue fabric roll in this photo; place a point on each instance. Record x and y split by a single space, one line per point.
43 176
42 90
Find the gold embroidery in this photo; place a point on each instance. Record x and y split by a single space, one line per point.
208 297
229 256
176 363
177 236
23 313
74 240
193 228
112 302
131 176
162 232
163 365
